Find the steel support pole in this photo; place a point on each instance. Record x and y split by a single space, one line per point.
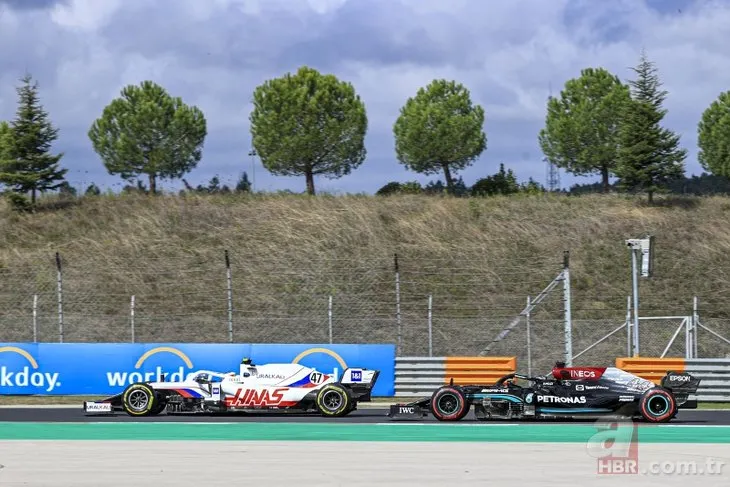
329 317
529 344
635 286
430 325
397 304
59 281
35 318
567 306
695 322
131 317
229 290
629 327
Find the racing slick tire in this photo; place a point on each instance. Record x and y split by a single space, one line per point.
334 401
449 404
657 405
140 400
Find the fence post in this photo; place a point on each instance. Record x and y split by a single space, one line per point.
628 326
529 345
329 317
566 299
397 302
131 316
635 287
229 287
695 323
59 280
430 325
35 318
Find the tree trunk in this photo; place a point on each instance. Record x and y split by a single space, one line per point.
310 182
651 197
449 179
604 174
153 184
32 196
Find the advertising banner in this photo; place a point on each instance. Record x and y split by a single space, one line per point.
107 368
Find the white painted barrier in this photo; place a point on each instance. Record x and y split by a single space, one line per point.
715 375
420 376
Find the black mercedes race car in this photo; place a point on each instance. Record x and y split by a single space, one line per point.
568 393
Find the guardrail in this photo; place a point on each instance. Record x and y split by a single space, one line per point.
651 368
419 376
715 373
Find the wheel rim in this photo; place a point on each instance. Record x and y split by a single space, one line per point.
658 405
448 404
332 400
138 400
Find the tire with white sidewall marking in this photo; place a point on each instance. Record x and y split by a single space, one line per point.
139 400
334 400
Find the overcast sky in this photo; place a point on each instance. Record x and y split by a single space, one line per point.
213 53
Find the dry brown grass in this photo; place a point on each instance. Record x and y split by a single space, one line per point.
479 257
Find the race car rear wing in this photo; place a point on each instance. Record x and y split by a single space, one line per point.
360 382
682 385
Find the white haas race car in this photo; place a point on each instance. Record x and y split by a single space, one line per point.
285 387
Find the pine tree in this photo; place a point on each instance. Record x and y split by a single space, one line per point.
28 164
649 157
503 182
4 146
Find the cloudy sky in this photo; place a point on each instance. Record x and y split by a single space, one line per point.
213 53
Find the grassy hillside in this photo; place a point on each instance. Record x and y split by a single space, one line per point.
478 258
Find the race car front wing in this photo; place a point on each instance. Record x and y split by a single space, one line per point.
415 409
108 405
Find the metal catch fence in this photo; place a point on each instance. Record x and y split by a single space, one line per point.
427 306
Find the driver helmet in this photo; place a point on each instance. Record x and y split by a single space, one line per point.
246 361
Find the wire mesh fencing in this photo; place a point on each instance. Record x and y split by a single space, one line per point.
426 306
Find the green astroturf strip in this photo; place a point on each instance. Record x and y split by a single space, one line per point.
346 432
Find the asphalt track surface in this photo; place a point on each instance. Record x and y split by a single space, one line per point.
74 414
284 463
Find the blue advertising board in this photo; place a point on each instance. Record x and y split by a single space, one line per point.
107 368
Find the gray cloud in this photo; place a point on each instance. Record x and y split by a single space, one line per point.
214 53
31 4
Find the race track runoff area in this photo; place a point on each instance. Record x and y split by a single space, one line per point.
351 454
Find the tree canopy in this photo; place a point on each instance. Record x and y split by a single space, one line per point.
649 156
147 131
26 162
440 129
4 146
308 124
502 183
4 140
582 125
713 137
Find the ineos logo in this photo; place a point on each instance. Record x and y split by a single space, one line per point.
589 374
